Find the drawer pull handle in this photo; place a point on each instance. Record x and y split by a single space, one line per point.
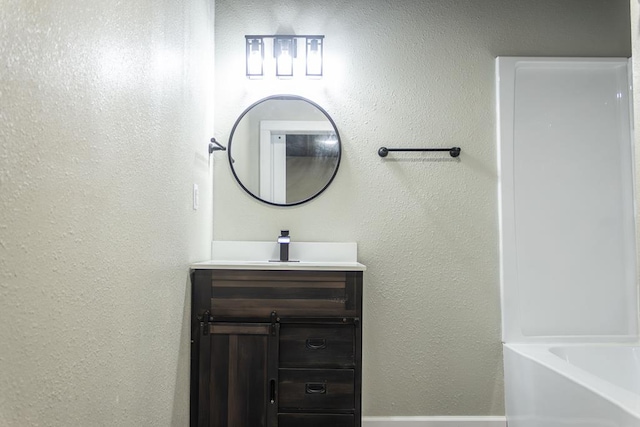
316 388
316 343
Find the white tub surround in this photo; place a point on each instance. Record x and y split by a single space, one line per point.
257 255
566 200
545 389
622 369
567 240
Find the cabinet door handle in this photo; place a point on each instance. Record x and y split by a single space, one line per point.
316 388
316 343
272 391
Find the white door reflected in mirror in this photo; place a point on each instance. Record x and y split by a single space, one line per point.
293 157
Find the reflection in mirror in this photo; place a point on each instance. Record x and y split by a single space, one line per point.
284 150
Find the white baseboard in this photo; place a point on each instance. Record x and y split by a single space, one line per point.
434 421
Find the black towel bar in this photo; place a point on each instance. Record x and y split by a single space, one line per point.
453 151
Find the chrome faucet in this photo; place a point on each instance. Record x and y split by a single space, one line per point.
283 241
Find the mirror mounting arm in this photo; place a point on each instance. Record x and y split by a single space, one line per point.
215 146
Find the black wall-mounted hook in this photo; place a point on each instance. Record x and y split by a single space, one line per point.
215 146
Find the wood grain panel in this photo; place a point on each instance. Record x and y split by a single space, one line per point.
238 329
275 291
280 276
262 308
316 420
294 389
200 349
219 381
255 295
239 376
317 346
276 283
248 391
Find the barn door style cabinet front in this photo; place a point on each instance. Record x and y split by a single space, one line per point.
276 348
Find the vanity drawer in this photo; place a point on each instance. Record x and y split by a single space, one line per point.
316 389
316 420
255 294
317 346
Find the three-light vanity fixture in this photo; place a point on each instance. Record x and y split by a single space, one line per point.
285 54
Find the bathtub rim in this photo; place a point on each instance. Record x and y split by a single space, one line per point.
542 355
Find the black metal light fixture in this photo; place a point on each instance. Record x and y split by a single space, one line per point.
285 54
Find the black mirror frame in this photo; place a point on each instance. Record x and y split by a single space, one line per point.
284 98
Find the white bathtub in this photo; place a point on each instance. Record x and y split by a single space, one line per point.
595 385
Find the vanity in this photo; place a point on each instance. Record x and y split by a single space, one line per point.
277 344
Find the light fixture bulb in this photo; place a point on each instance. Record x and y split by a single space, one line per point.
255 57
314 56
284 51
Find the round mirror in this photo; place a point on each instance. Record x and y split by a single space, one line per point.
284 150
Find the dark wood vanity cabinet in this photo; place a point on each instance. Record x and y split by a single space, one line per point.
276 348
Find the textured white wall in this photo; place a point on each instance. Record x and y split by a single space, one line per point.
105 114
401 74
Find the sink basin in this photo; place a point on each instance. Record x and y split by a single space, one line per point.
264 256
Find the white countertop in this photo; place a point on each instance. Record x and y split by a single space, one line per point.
252 255
277 265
